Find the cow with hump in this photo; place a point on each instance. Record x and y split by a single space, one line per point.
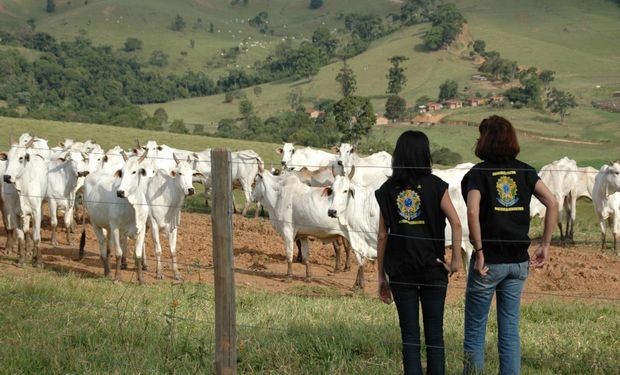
606 199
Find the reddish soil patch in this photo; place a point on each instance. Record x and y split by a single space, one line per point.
578 273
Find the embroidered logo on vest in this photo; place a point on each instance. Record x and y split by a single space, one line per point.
408 203
506 191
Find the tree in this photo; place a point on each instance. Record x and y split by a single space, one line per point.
422 100
50 7
448 90
211 27
257 91
306 61
325 42
395 107
161 115
416 11
178 126
347 80
132 44
199 129
396 75
479 46
316 4
294 98
32 22
178 24
447 24
546 77
354 118
158 58
560 101
246 108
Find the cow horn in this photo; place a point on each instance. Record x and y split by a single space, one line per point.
138 143
261 169
352 173
84 155
143 156
174 156
124 155
30 143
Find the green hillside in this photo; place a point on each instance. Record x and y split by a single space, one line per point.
111 22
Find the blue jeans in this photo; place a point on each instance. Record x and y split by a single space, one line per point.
432 298
506 280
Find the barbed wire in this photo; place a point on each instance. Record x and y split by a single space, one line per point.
325 228
251 161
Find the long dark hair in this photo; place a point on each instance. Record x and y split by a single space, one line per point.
498 140
411 157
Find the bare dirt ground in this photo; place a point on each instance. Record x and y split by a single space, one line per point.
581 274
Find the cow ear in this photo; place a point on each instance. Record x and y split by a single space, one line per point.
352 173
279 150
3 156
105 158
142 172
336 149
198 174
159 148
61 159
27 157
118 174
195 156
352 192
173 173
326 192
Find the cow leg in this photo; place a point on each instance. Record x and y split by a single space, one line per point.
288 249
258 210
300 257
234 203
68 219
139 254
305 249
359 280
103 251
121 253
603 226
337 251
157 243
21 248
172 239
616 231
53 206
347 259
10 240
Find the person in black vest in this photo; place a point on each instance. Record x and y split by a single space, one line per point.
411 247
498 193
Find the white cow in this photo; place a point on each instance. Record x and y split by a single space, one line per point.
62 184
9 206
453 177
369 170
308 157
357 211
606 199
245 165
296 211
27 170
135 177
165 193
561 177
113 218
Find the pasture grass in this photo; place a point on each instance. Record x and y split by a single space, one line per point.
59 322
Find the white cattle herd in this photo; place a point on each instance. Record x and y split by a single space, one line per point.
318 194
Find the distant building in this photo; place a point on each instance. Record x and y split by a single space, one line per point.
313 112
433 106
497 98
382 120
454 103
422 108
478 77
475 102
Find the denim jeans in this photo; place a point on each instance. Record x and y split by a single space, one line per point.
506 280
407 299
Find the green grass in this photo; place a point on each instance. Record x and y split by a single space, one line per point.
56 322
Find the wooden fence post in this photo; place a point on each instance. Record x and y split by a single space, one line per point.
225 309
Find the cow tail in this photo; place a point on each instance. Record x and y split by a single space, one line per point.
82 237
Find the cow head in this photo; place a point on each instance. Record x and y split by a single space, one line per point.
343 191
612 176
345 157
77 162
20 155
287 151
135 171
183 175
